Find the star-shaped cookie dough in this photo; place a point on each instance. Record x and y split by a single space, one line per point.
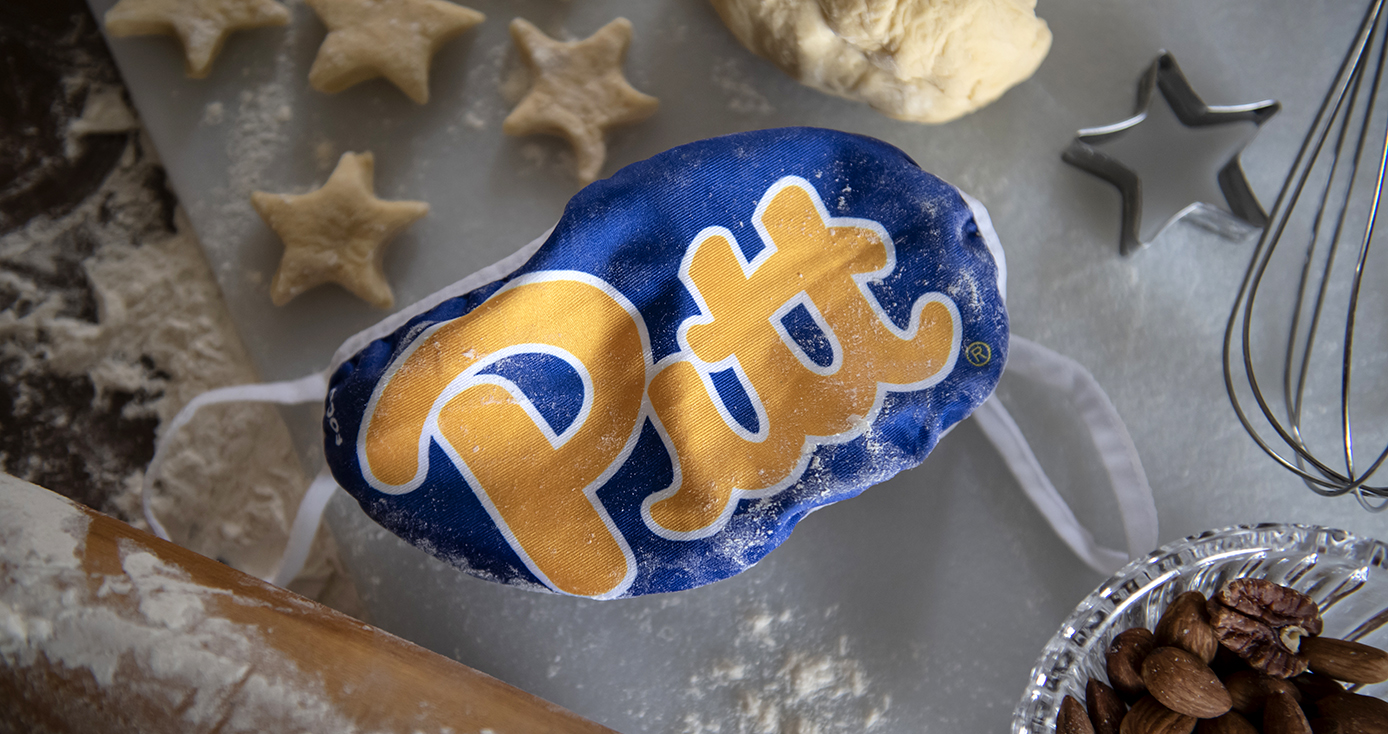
579 91
202 26
336 234
390 38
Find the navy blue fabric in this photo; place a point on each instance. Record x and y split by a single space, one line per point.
632 230
554 387
735 399
808 336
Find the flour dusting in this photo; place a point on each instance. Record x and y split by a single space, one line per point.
114 298
736 82
159 644
103 112
777 687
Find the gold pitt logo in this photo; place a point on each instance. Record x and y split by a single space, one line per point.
539 485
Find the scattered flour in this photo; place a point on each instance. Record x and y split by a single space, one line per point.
549 157
155 335
213 113
515 80
325 155
259 139
500 68
732 79
779 690
158 647
103 111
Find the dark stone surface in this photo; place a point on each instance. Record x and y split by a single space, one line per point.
55 430
41 43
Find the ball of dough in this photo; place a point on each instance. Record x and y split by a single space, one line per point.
918 60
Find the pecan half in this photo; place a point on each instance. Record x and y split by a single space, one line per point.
1264 623
1272 604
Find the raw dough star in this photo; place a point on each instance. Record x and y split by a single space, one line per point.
390 38
202 26
579 91
336 234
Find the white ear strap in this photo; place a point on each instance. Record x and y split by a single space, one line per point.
1032 361
305 526
1026 359
310 389
314 388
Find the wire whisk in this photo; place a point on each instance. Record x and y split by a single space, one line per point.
1332 194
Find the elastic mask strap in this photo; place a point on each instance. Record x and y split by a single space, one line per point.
1032 361
305 526
310 389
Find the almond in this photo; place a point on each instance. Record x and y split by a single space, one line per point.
1124 662
1105 708
1343 660
1326 726
1354 714
1274 686
1148 716
1230 723
1282 715
1250 689
1315 686
1186 624
1184 683
1072 719
1245 692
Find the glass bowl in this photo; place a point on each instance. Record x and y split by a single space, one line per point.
1346 575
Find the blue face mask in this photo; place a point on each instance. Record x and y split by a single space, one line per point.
708 346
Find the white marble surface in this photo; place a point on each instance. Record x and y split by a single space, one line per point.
940 586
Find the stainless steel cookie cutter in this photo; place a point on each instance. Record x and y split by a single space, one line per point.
1191 111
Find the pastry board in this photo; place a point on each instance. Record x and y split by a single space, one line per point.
920 605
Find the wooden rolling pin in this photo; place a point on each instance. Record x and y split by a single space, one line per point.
104 628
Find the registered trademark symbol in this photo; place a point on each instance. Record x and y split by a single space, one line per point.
978 354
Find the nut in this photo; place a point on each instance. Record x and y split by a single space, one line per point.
1148 716
1344 660
1354 714
1274 686
1264 623
1255 642
1246 690
1315 686
1106 709
1124 662
1282 715
1186 624
1072 719
1233 664
1272 604
1230 723
1184 683
1326 726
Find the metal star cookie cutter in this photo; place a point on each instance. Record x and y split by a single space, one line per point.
1164 74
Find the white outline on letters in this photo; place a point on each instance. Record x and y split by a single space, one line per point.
469 379
705 316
